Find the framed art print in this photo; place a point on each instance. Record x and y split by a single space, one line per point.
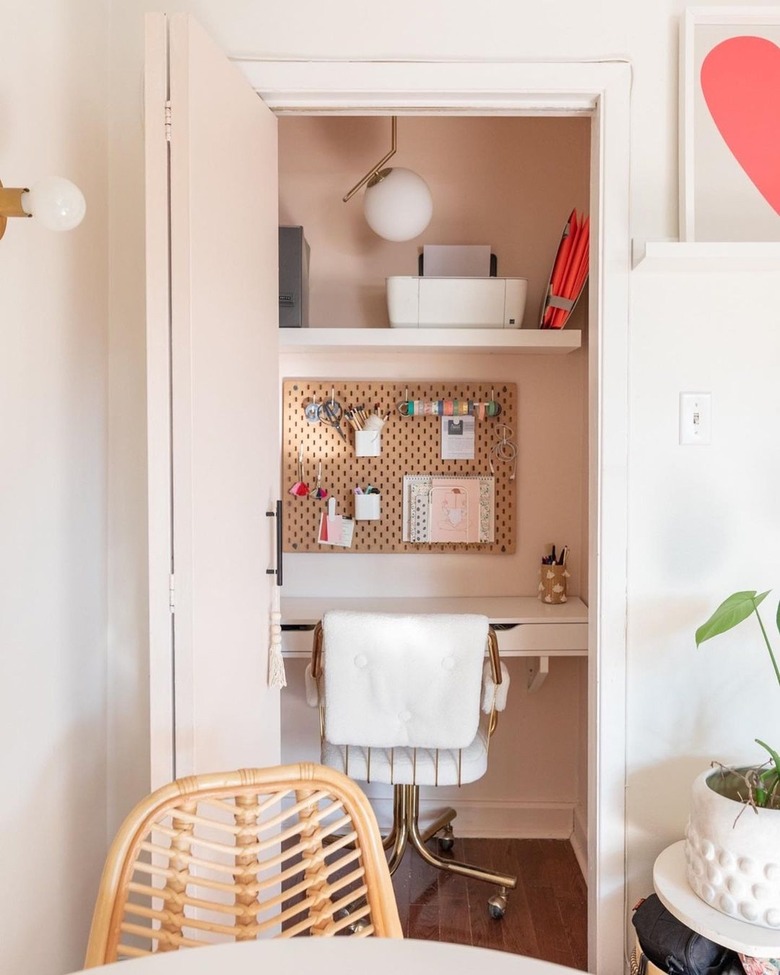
730 124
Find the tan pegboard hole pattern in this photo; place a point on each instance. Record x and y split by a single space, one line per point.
410 445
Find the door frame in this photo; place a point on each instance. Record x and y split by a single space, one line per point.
600 89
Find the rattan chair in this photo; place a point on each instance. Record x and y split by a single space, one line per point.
407 692
276 852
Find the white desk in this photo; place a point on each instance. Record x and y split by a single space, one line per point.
334 956
677 895
534 629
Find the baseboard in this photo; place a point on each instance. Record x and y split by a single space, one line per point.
579 840
484 819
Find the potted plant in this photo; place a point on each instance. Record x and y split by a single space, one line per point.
733 835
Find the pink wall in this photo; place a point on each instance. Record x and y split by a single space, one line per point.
550 482
510 183
507 182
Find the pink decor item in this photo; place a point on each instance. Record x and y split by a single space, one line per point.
740 81
300 489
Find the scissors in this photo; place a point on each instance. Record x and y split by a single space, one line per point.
331 414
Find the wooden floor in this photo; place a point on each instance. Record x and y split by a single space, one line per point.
546 915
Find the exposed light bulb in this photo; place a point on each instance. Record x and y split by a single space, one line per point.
56 203
397 204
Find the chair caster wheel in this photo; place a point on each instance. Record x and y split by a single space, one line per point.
446 839
497 906
357 926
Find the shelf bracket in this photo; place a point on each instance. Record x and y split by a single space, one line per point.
538 669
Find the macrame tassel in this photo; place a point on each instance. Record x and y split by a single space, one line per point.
276 674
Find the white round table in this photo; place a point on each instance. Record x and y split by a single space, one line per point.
677 895
335 956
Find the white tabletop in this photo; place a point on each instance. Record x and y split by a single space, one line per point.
677 895
302 610
335 956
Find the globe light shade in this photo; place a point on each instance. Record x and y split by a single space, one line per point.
398 204
56 203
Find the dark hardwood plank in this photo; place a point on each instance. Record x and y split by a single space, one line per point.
424 922
516 932
549 928
424 880
574 907
546 914
401 884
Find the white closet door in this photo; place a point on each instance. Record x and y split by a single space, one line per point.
212 277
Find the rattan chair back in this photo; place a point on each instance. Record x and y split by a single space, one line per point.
278 852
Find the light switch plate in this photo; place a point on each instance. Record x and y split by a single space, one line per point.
695 418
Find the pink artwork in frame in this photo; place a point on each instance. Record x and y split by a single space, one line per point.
730 124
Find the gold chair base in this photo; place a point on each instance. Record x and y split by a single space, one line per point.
406 830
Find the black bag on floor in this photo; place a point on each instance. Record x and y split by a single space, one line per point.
673 947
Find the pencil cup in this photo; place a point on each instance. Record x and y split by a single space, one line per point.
368 507
552 583
368 443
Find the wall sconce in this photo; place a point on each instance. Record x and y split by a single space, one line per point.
56 202
397 203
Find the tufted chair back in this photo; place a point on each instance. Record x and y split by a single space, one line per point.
403 681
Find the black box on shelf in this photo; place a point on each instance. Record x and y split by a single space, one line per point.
293 278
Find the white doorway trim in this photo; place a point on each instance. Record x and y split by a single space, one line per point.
602 90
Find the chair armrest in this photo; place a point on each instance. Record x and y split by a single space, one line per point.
494 694
312 688
316 652
495 660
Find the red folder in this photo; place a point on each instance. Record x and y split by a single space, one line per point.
576 265
559 266
569 273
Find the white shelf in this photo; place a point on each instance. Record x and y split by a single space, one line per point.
677 896
735 256
507 341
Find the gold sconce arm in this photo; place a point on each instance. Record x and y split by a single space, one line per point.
11 205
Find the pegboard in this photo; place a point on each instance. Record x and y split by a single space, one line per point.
410 445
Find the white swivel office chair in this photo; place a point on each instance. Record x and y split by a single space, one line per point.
410 701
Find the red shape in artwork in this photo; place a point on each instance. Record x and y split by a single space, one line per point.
740 81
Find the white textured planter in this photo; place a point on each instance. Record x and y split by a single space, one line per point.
733 866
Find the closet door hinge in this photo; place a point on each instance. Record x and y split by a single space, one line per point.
167 121
172 593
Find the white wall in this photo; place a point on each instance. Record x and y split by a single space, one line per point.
128 642
645 33
53 402
704 523
692 539
438 28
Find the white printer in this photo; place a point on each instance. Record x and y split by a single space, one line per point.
455 302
